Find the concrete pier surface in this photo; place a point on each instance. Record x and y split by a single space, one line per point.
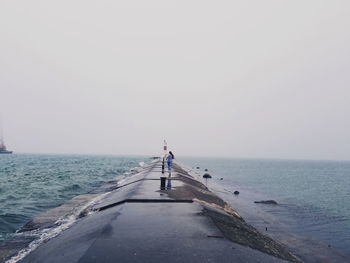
139 222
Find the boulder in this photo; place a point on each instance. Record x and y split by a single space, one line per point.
267 202
236 192
207 176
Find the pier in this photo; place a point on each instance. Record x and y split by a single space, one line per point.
147 219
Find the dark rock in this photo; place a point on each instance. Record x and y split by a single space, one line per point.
236 192
206 170
207 176
238 231
268 202
198 167
221 178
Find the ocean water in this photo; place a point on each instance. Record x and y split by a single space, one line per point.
31 184
313 197
312 215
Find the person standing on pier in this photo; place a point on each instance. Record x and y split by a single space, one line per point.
170 159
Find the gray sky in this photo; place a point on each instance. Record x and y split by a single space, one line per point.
252 78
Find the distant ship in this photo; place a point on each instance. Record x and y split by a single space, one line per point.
3 149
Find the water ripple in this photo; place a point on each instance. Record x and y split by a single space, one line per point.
31 184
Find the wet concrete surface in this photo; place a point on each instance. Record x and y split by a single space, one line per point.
141 231
145 232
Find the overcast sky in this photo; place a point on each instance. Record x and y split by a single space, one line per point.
265 79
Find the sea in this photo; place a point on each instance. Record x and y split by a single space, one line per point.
31 184
312 214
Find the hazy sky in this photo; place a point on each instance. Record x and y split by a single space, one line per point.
255 78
